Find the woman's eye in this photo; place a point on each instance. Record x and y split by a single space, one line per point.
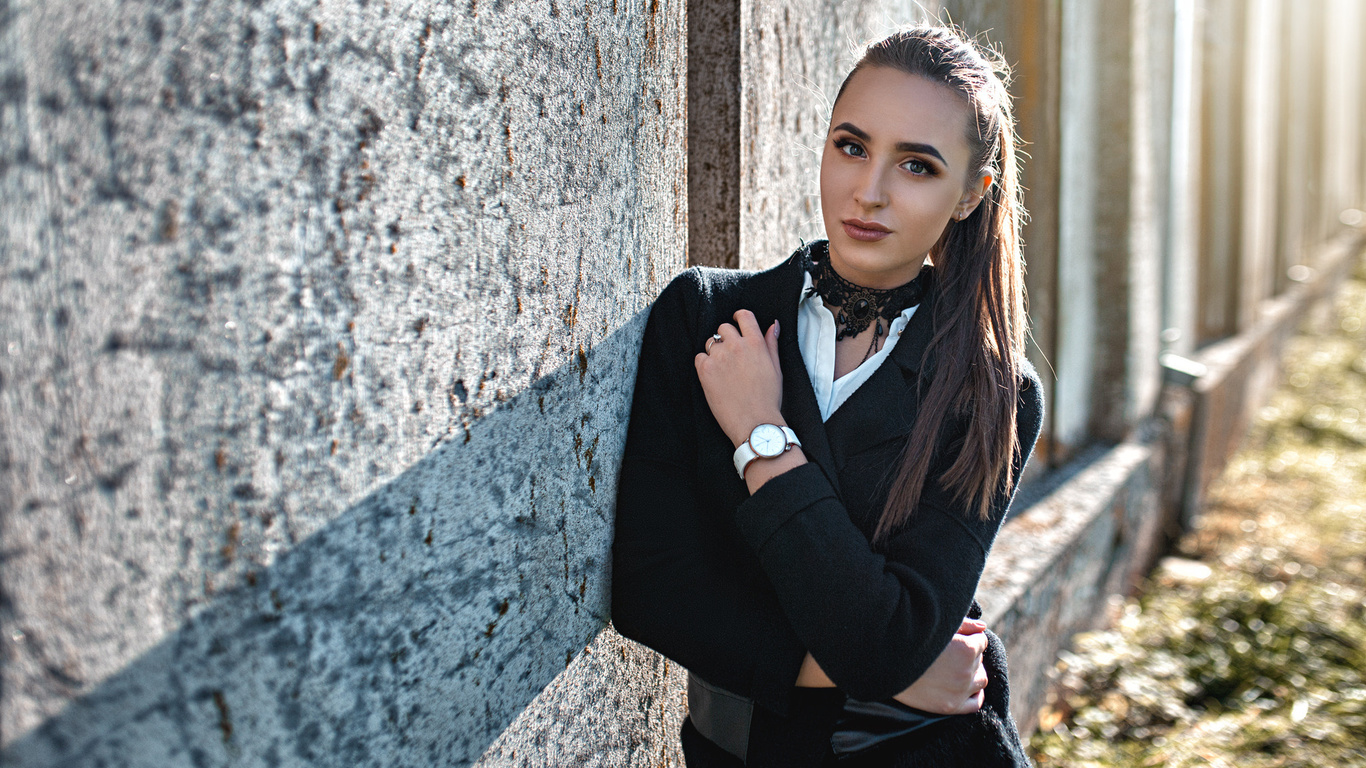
918 167
851 148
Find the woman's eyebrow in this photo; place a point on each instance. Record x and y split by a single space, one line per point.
924 149
854 129
905 146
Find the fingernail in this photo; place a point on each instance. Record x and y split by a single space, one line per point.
777 329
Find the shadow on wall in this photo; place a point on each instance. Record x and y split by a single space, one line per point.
412 628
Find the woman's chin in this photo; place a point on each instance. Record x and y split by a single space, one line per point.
872 264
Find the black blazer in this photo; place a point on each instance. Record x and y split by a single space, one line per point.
736 588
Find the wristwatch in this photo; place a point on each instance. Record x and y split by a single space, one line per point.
766 441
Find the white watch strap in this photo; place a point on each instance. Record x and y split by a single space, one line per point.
745 453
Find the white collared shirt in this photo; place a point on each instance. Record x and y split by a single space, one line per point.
816 339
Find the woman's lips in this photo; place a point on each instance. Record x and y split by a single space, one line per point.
866 231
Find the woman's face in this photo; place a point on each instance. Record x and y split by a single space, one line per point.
894 171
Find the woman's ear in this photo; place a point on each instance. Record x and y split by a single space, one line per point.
972 196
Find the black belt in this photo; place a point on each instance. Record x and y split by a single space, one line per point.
724 718
720 716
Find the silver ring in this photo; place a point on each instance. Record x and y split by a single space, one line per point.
715 337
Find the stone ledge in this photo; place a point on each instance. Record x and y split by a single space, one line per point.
1079 539
1241 371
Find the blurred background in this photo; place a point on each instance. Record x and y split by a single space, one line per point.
319 322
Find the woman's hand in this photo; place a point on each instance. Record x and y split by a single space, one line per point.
741 377
743 382
954 683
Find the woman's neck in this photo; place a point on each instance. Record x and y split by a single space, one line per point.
857 307
863 315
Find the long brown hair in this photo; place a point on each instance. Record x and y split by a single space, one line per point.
979 320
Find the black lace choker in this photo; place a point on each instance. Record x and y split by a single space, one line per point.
860 307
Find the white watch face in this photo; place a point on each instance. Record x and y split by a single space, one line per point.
768 440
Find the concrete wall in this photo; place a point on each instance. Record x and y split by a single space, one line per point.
1343 84
318 335
764 76
318 325
714 94
1261 105
1241 372
1109 258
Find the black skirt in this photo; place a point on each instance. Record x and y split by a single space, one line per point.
987 738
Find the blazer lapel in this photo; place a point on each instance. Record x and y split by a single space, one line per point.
800 410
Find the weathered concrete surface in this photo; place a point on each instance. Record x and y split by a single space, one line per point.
412 627
1221 157
1299 153
1345 33
714 132
634 718
1111 218
317 325
794 56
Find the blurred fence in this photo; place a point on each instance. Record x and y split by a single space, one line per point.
1196 178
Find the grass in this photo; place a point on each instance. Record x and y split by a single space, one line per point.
1248 647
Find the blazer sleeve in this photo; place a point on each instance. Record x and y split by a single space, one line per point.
675 585
875 621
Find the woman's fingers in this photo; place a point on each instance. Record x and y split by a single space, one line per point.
727 332
981 680
724 332
771 336
954 683
741 377
977 641
978 697
974 637
744 320
747 327
742 335
972 674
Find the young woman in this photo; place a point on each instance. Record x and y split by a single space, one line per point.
820 454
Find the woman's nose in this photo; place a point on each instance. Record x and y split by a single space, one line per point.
870 191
